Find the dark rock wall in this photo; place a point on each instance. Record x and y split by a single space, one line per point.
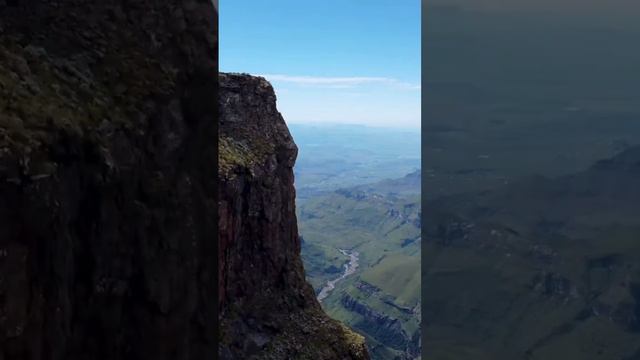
107 186
257 198
267 309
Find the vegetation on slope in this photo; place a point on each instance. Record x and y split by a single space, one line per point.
382 299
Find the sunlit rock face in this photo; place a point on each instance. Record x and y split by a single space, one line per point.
267 309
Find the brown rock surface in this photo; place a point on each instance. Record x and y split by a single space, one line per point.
267 309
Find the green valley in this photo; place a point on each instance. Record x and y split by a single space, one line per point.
359 219
381 300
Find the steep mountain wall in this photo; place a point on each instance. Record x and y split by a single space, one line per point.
107 209
267 309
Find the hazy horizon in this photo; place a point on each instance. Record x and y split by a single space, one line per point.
612 13
347 123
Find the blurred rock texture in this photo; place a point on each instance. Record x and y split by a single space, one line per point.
107 188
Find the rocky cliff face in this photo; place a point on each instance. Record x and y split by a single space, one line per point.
106 181
267 309
383 328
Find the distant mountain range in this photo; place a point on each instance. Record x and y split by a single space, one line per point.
338 156
407 185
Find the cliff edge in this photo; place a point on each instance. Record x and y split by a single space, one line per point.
267 309
107 191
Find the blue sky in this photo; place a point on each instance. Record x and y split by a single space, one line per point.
335 61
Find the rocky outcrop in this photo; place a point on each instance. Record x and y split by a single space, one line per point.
385 329
267 309
107 192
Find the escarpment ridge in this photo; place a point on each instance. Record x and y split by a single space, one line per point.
267 309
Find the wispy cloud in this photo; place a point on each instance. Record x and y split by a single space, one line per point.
339 82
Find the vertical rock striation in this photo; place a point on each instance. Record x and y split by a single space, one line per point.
107 192
267 309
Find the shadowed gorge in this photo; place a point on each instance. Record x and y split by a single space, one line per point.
107 192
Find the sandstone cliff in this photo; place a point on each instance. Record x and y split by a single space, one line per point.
267 309
106 179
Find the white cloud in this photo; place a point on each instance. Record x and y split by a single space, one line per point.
339 82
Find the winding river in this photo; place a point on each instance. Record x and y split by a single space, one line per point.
349 269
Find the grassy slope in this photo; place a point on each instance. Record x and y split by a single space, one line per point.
377 226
